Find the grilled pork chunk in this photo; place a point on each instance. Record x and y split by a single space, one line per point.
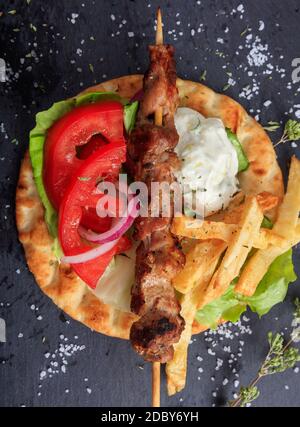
159 258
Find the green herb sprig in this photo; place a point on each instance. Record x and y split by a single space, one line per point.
272 126
291 132
280 357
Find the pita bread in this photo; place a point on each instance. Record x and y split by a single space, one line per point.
59 282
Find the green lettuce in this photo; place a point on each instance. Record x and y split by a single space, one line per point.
242 158
267 223
44 120
271 290
130 111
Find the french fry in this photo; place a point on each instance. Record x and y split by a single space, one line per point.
259 264
286 225
237 252
176 369
203 230
198 259
288 212
232 215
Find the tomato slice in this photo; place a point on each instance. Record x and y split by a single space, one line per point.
82 194
79 131
97 141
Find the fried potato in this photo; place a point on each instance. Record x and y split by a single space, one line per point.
288 212
237 251
198 259
286 226
176 369
259 264
232 215
203 230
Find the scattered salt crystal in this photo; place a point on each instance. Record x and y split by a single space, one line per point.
219 364
267 103
74 16
261 26
225 381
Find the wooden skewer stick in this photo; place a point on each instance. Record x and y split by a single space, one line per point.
158 121
159 41
155 384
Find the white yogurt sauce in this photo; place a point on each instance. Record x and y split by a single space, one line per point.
209 162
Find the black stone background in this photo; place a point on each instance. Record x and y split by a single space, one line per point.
114 373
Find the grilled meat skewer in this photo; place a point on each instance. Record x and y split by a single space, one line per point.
159 259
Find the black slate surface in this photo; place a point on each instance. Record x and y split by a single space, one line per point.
47 50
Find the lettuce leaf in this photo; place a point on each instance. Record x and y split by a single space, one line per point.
44 120
273 287
130 111
271 290
267 223
228 304
242 158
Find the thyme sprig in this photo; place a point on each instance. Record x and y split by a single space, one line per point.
279 358
291 132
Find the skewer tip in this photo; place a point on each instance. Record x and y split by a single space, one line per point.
159 30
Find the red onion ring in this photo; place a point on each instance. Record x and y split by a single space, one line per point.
120 226
89 255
